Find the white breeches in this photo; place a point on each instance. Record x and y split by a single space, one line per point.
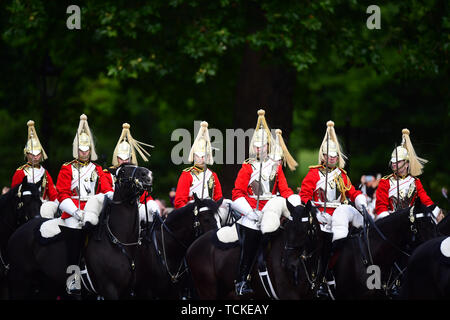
342 216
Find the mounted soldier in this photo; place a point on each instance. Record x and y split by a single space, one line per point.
125 153
329 188
33 169
193 178
260 179
78 181
400 189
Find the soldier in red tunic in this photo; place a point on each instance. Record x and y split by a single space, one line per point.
79 180
33 169
260 179
329 188
401 188
125 153
193 178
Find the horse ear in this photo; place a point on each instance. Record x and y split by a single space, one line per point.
196 199
290 206
40 182
219 202
24 180
308 206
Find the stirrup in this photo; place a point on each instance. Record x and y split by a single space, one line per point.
322 291
243 288
71 288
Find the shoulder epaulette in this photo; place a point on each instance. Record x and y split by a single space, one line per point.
70 162
22 166
388 176
249 161
188 169
343 171
316 166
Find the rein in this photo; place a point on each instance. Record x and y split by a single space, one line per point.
372 223
123 245
174 277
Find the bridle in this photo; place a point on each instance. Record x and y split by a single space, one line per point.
304 255
137 188
19 206
164 228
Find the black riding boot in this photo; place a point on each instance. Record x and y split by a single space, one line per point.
74 243
322 290
250 240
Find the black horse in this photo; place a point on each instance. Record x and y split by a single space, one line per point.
111 252
427 276
214 265
443 226
163 272
17 206
44 265
363 266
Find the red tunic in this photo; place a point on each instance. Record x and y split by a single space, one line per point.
49 193
182 195
109 177
64 182
242 188
382 195
309 184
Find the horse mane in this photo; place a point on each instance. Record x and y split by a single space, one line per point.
6 198
392 218
179 212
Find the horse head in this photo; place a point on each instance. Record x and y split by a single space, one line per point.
409 226
302 224
204 214
423 225
131 182
27 200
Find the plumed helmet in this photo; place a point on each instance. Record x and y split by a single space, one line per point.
33 144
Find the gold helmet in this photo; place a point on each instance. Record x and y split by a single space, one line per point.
83 139
334 148
202 145
127 146
280 152
406 152
261 136
33 144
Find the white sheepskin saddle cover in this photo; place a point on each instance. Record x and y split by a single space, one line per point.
445 247
51 228
228 234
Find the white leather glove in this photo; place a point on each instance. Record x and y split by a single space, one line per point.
382 215
254 215
152 206
294 200
110 195
360 201
78 214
